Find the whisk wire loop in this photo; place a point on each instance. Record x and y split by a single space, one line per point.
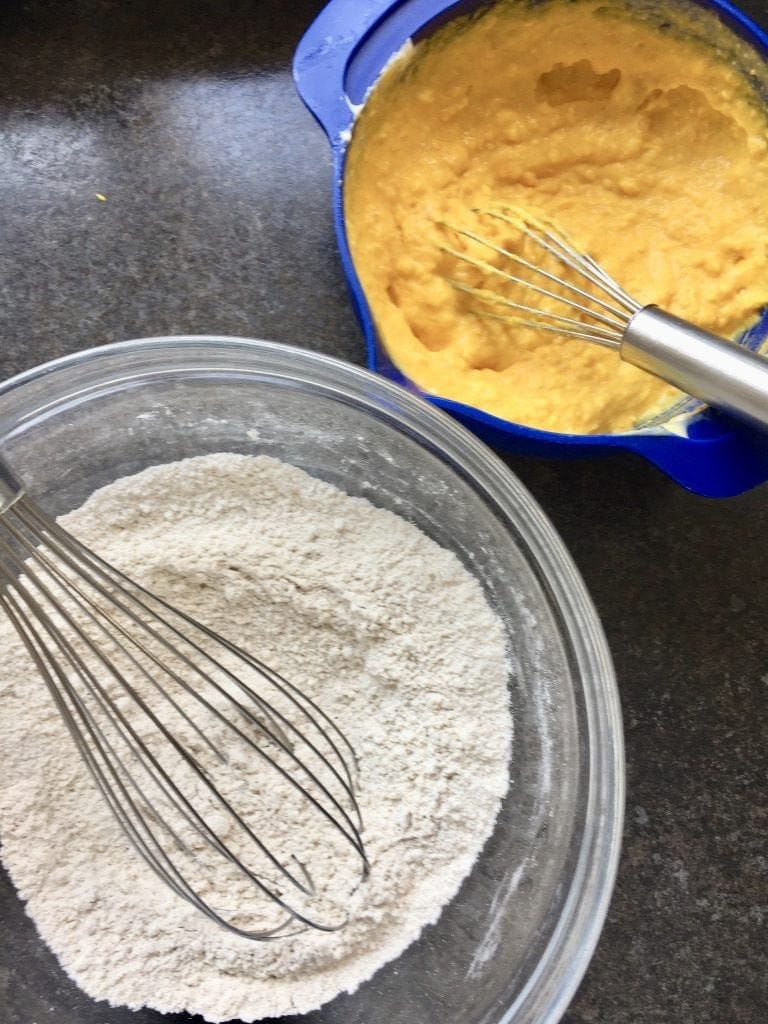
84 623
108 769
602 309
592 336
273 732
493 298
542 272
552 319
148 761
558 245
720 372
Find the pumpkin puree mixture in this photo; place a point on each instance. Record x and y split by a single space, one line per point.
638 131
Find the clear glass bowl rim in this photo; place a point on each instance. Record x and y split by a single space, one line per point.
551 986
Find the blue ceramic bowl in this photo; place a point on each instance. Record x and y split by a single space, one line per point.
337 61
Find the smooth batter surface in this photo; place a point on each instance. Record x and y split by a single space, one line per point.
647 144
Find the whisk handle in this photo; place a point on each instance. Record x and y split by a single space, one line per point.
11 488
718 371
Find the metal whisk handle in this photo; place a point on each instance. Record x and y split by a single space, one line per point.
11 488
718 371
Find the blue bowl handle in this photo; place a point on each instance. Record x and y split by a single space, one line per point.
722 466
321 59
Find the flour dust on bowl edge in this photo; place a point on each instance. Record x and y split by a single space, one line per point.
515 942
337 61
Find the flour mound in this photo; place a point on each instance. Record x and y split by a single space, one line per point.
391 636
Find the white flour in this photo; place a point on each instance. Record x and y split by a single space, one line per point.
384 628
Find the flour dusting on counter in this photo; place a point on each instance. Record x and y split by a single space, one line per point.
390 634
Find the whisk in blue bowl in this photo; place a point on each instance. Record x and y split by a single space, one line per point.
580 300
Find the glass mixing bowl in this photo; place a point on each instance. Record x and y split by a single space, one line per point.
514 943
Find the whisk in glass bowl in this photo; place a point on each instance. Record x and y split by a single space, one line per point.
578 299
166 714
522 929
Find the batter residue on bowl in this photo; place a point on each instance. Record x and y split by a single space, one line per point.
373 620
639 131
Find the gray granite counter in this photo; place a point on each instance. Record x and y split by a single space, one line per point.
216 219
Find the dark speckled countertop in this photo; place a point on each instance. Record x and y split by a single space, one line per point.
217 219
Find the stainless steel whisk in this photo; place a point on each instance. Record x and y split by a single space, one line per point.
716 370
166 713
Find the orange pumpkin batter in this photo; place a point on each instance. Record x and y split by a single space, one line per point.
639 133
